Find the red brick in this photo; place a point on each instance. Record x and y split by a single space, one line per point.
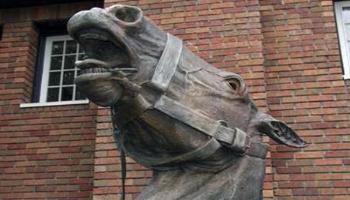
287 51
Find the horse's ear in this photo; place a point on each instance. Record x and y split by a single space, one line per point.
278 131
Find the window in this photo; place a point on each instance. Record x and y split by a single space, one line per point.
55 67
342 10
56 71
59 70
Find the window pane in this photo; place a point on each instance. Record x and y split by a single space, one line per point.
71 46
81 56
54 78
68 78
81 50
67 93
52 94
69 62
56 63
57 47
79 96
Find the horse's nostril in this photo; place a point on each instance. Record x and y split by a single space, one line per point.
127 14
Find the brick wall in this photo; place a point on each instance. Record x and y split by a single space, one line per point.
287 51
45 152
305 88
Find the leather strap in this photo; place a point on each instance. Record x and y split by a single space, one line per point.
167 63
232 137
198 154
256 149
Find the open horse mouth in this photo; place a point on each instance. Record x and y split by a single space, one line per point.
101 34
103 58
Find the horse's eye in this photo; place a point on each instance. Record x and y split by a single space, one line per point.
236 83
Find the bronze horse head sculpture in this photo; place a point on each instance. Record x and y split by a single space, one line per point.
194 125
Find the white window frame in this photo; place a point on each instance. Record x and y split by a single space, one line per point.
45 78
343 40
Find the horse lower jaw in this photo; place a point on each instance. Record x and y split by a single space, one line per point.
242 180
103 92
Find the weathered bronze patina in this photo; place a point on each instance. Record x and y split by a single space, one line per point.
193 124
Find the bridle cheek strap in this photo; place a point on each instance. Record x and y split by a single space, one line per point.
167 63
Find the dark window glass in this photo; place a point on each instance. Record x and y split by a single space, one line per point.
54 78
56 63
69 62
57 48
81 50
71 47
68 77
67 93
52 94
81 56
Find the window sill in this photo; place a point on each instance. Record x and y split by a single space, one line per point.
346 77
44 104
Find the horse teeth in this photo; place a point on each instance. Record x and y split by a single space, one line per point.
95 70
